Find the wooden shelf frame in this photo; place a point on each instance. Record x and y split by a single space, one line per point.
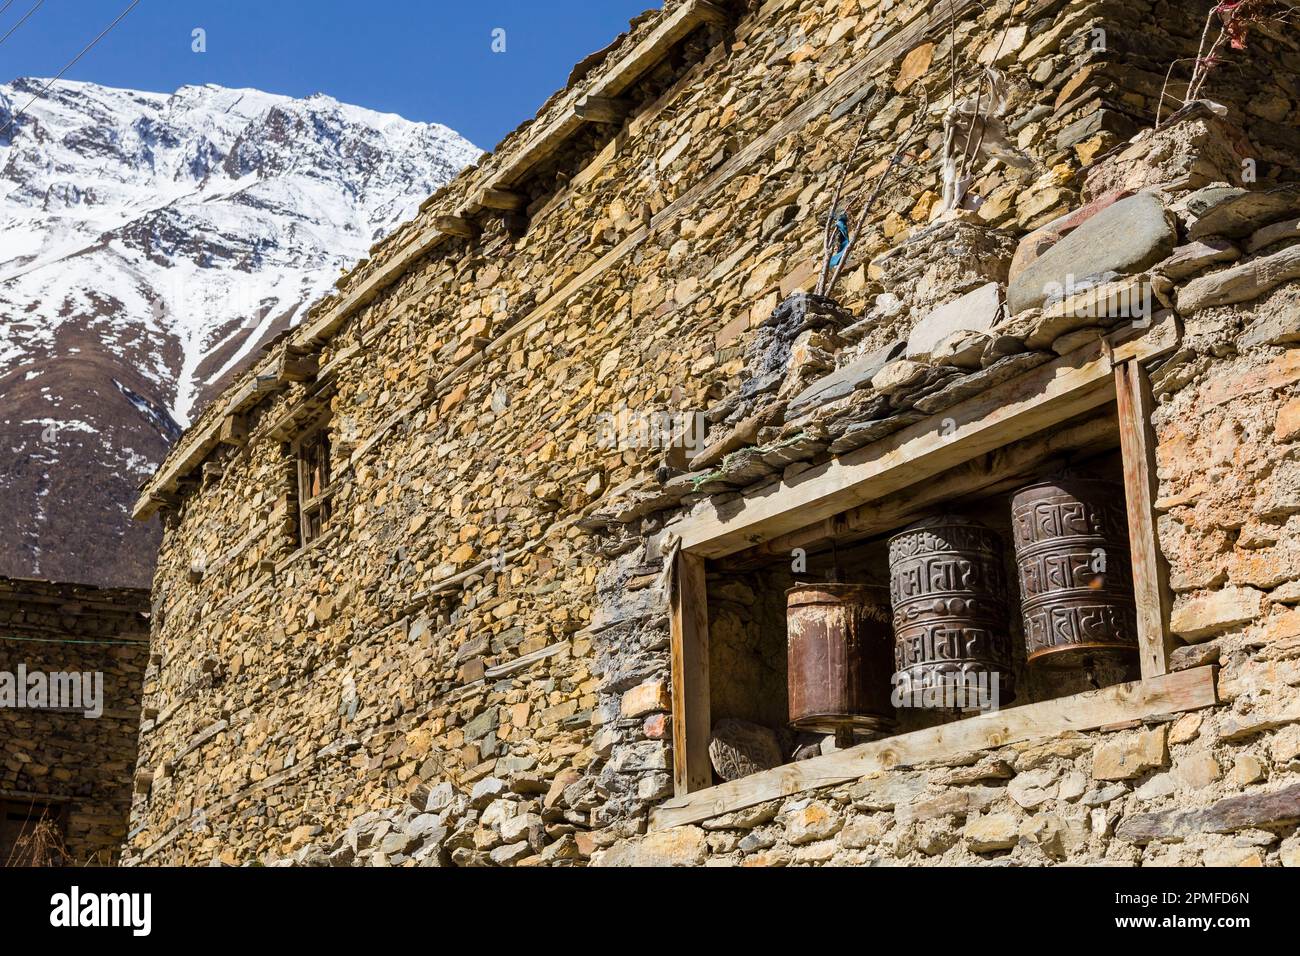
840 494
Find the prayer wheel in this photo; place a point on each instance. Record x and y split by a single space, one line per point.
839 640
948 589
1072 554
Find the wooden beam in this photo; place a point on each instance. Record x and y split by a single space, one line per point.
670 31
602 109
458 226
505 200
1170 694
625 69
323 327
1011 465
692 715
1150 570
1039 399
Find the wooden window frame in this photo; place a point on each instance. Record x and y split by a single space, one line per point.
815 503
317 506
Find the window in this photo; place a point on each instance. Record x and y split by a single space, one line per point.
312 454
31 834
1094 405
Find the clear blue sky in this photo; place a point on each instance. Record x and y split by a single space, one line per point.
429 60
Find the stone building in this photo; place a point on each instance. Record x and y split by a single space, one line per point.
67 760
485 563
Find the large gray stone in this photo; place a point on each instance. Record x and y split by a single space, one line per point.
1238 213
1125 238
843 381
976 311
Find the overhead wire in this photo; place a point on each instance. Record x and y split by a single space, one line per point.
26 17
69 65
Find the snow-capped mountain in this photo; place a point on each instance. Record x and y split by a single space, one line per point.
149 244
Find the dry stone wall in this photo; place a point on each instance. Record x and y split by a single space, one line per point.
76 769
470 667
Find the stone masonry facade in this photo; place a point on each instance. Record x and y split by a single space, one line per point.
76 770
468 661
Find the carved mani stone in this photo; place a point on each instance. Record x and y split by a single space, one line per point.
739 748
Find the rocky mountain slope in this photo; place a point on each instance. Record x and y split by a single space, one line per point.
149 244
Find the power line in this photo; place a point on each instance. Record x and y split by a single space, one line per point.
70 64
20 22
8 4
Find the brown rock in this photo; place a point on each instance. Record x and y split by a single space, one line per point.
1130 755
1247 769
814 821
914 66
988 834
646 698
1202 617
679 846
1186 728
1197 771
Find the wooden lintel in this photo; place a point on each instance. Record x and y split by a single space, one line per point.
504 200
1038 400
672 28
1003 467
692 714
266 384
1150 571
458 226
1170 694
602 109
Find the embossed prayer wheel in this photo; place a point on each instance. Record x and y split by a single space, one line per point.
1072 554
839 641
949 593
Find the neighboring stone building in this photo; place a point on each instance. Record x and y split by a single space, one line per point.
432 591
69 766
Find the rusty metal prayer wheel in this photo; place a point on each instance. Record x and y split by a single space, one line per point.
839 657
948 588
1072 552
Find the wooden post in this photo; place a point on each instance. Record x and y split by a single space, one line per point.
692 717
1150 572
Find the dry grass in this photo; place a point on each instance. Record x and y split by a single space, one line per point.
41 844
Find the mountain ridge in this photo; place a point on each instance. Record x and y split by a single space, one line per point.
150 243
